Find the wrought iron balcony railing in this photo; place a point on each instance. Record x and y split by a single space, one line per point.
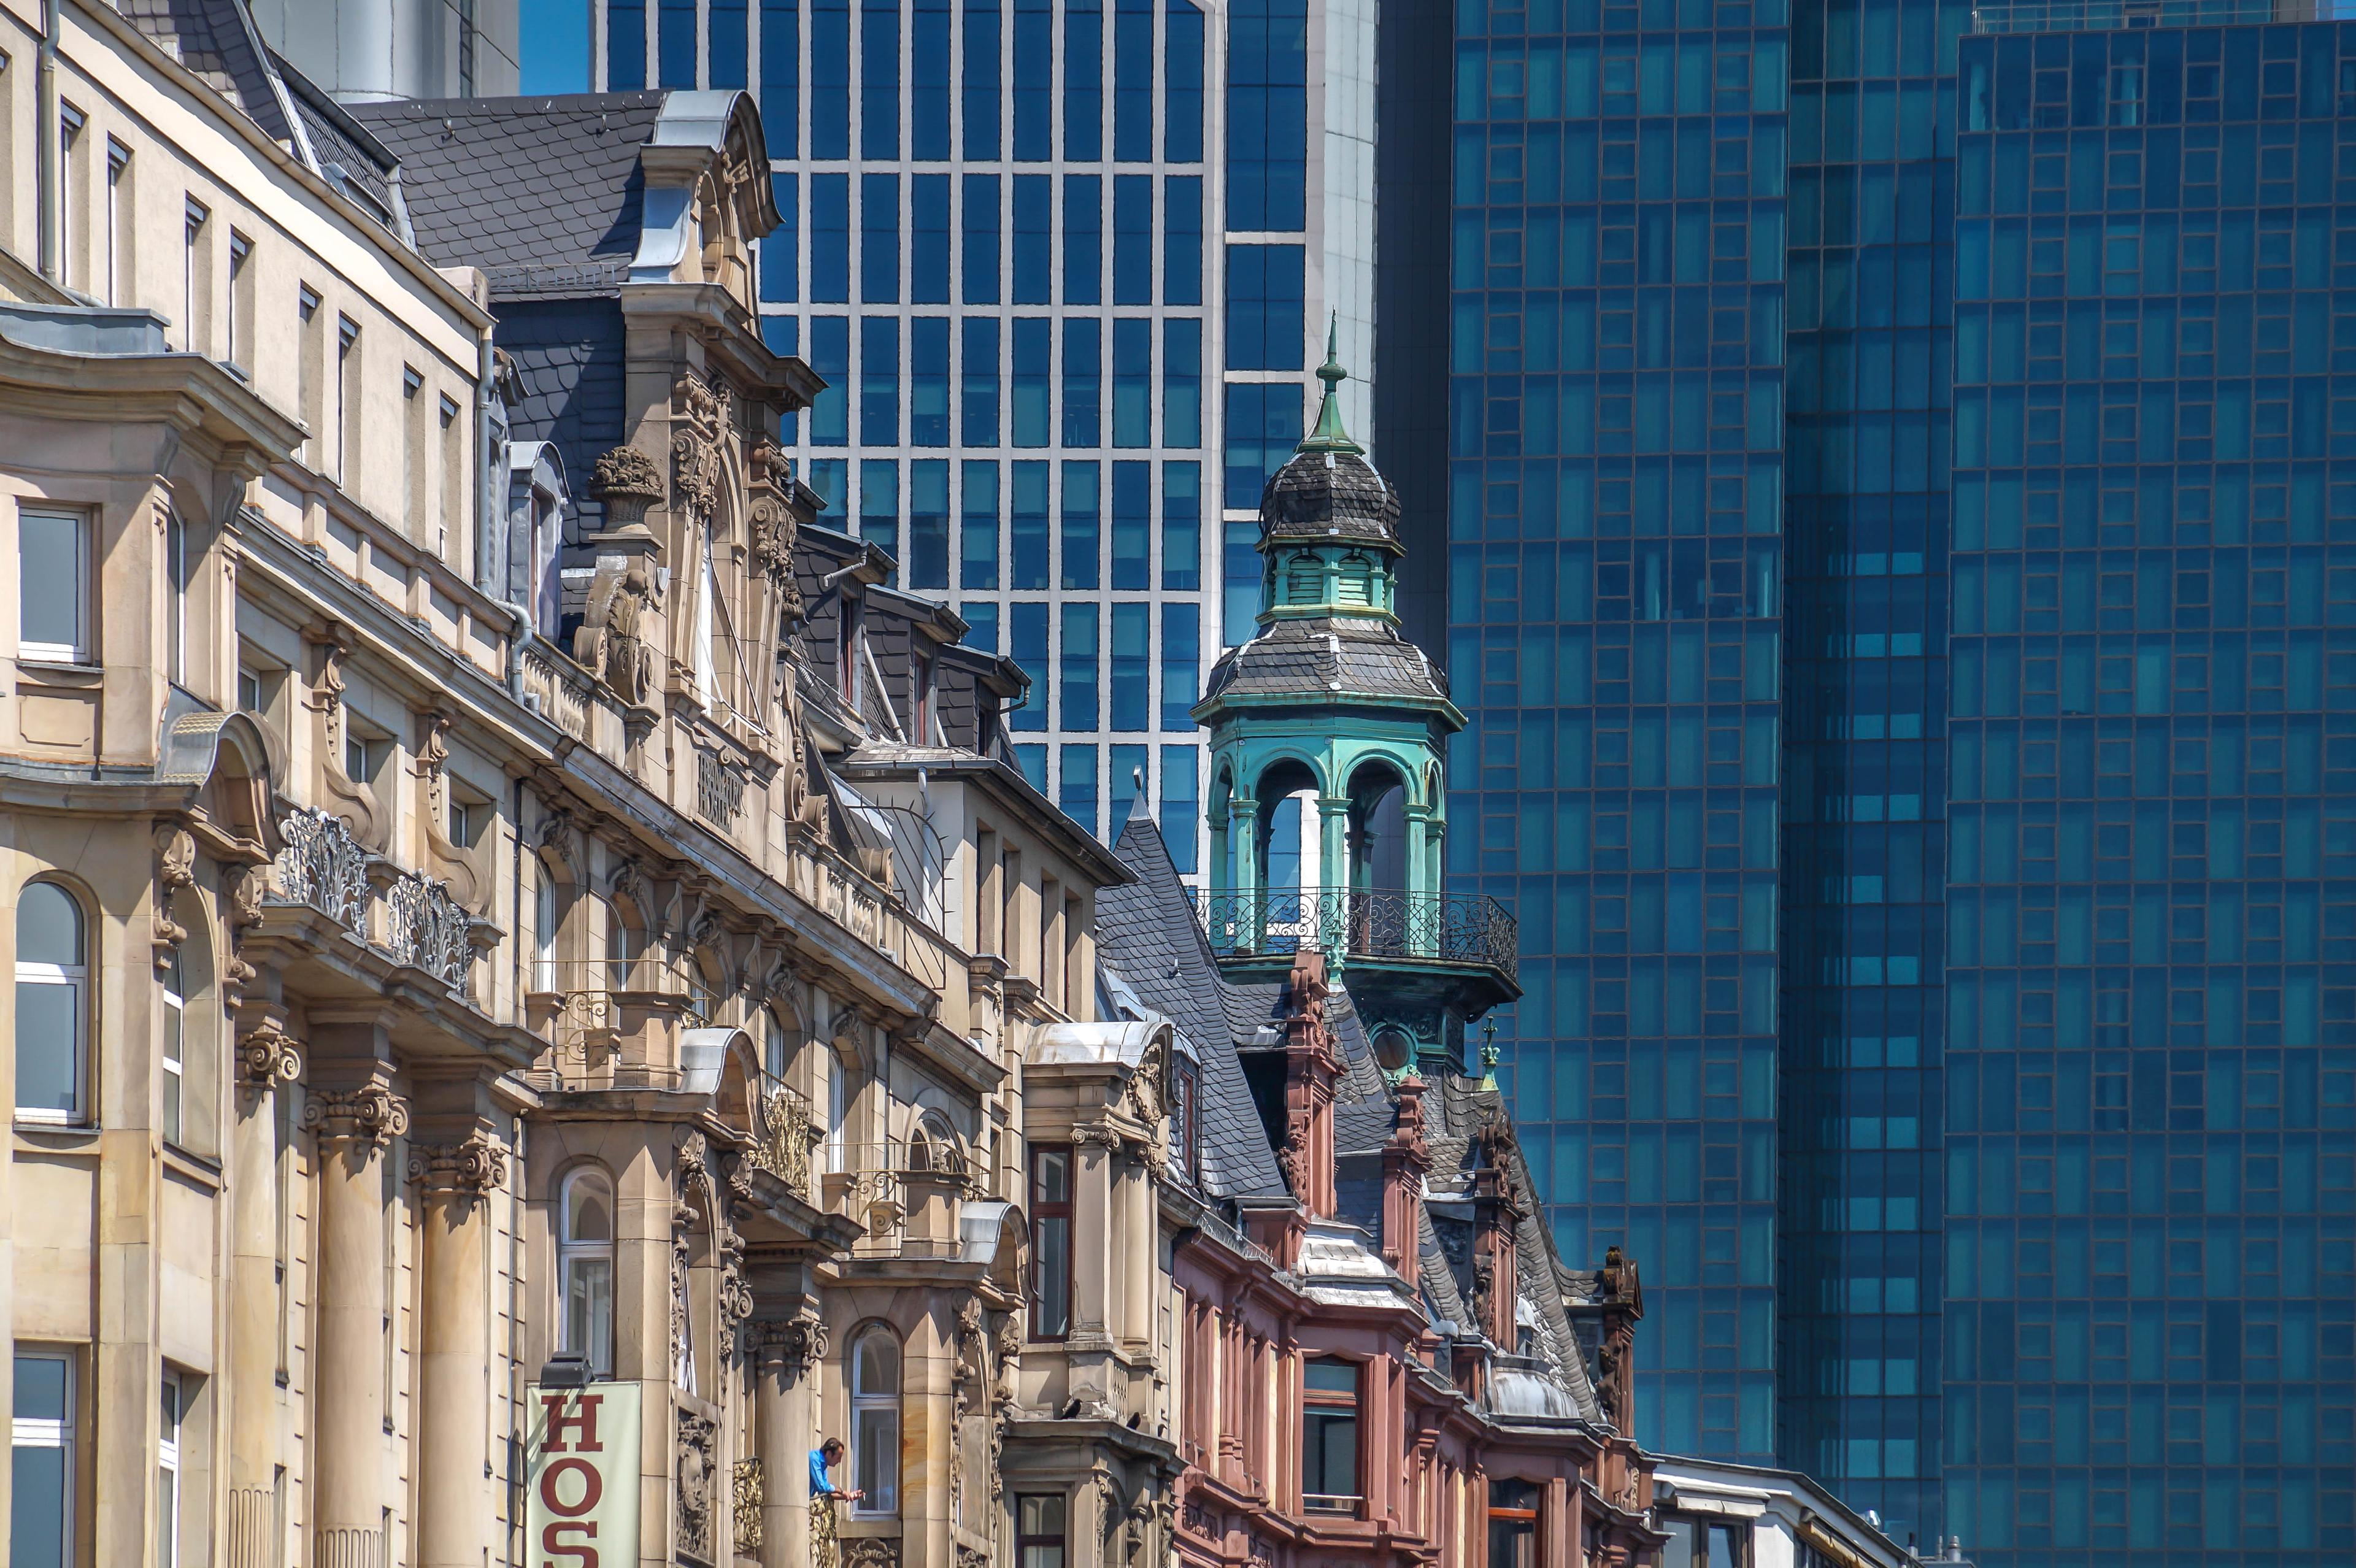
1440 928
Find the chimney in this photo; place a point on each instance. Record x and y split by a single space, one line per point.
1621 1296
1311 1066
1405 1160
1497 1211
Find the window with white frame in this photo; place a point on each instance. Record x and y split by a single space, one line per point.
118 221
773 1044
193 220
584 1267
348 400
70 124
41 1462
875 1420
543 930
173 1054
52 1004
838 1111
176 595
53 585
241 300
167 1471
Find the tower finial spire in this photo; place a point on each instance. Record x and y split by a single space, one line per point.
1329 435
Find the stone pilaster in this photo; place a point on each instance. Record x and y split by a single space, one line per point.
453 1500
266 1060
355 1128
785 1427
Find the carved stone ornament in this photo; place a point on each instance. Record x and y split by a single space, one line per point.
267 1056
176 868
629 482
795 1344
373 1115
698 431
872 1552
696 1471
466 1170
611 643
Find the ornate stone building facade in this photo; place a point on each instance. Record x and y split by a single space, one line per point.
501 898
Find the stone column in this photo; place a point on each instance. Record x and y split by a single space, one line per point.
352 1484
265 1057
453 1501
785 1429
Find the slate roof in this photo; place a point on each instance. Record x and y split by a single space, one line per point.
1335 659
543 193
1146 933
215 40
1333 496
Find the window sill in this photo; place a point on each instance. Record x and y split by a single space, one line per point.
56 1137
61 672
197 1168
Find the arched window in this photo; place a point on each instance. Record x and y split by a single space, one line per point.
584 1267
544 931
175 1053
838 1111
875 1420
52 1004
621 947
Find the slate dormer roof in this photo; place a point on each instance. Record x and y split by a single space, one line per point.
1327 492
1327 659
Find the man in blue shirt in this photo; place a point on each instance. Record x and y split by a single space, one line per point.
822 1459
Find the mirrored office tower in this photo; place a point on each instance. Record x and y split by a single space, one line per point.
1064 265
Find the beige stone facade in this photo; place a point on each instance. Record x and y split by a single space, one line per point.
435 977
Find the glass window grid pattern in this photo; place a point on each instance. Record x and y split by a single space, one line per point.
1866 422
893 214
2150 1322
1614 518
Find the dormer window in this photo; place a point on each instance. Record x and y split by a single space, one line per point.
1304 581
1329 1445
1357 584
1183 1136
846 649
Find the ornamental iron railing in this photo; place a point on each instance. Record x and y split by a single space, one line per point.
325 867
787 1132
1440 928
425 925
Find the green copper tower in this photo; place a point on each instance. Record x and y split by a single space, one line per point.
1329 740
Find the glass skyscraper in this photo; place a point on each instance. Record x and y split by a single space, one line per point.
1902 513
1064 265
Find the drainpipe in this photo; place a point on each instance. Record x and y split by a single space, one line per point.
50 162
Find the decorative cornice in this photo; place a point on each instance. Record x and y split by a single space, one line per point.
374 1115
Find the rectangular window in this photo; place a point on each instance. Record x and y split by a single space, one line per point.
781 78
41 1467
195 279
978 527
1028 570
176 590
1082 240
1132 526
829 261
310 369
1034 219
928 95
977 386
1133 381
1133 240
829 356
1239 581
1132 70
119 221
1263 427
1264 307
830 79
53 586
879 79
1267 114
1182 805
675 42
1033 371
1126 780
1181 658
1182 239
879 380
168 1470
929 243
928 524
984 87
1076 673
1132 667
981 623
1181 527
240 301
1035 80
1083 81
879 239
412 451
1028 628
1083 524
1076 797
879 504
1181 56
1329 1439
781 272
1513 1524
928 381
1182 381
980 266
1039 1530
1083 381
626 45
453 506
